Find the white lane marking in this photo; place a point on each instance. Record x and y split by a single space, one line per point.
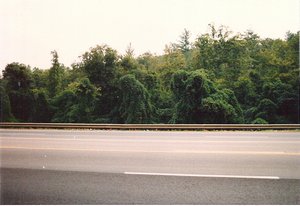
201 175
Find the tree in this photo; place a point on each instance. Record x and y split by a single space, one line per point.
220 77
267 110
227 56
63 106
77 103
184 42
245 91
205 53
55 76
128 62
101 67
189 89
293 47
199 101
41 109
18 88
135 106
87 95
285 97
221 107
5 109
173 60
40 78
18 76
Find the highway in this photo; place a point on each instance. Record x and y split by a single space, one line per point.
149 167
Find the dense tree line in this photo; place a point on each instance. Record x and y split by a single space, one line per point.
219 78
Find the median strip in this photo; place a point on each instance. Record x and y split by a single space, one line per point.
202 175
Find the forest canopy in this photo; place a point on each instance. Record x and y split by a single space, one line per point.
220 77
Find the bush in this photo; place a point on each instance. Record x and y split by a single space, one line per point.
259 121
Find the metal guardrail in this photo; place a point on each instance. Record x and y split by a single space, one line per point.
151 126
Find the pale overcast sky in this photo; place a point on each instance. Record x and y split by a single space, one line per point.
31 29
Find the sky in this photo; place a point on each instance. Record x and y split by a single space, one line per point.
31 29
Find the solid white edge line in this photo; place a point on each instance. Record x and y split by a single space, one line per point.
199 175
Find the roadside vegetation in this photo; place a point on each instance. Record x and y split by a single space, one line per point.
220 77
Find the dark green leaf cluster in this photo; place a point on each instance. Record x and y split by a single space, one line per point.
135 106
199 101
76 103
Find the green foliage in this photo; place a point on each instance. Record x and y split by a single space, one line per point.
63 105
135 106
286 99
245 91
189 89
41 106
128 62
199 101
293 48
184 42
217 111
101 67
259 121
77 103
21 105
5 110
243 79
221 107
225 55
266 110
55 78
18 78
178 83
40 78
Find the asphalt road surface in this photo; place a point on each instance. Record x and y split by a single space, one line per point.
149 167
